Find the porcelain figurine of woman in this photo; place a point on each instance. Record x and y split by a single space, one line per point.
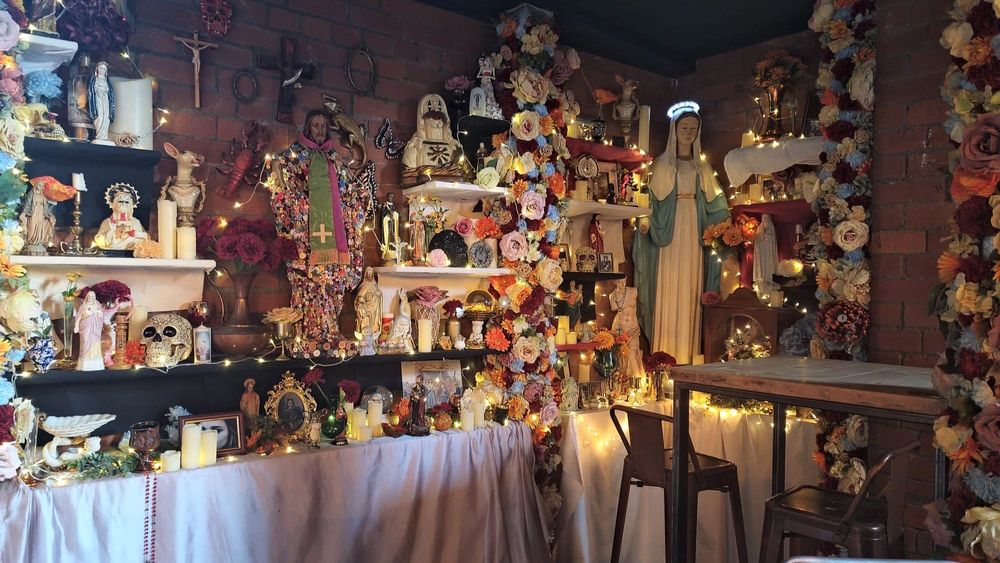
596 234
250 400
624 301
101 103
368 304
672 266
401 337
90 322
37 221
120 231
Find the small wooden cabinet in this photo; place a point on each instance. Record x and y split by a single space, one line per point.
718 321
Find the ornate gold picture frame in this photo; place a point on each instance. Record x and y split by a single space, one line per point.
288 403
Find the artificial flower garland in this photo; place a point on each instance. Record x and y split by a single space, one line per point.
965 300
532 159
842 203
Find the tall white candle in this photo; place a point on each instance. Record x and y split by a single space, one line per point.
468 419
644 114
747 139
190 446
375 416
209 447
364 433
79 182
133 109
137 320
170 461
166 224
479 412
424 334
315 428
186 245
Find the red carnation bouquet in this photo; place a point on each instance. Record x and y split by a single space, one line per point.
110 293
244 245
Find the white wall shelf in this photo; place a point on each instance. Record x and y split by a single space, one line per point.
607 211
431 272
454 191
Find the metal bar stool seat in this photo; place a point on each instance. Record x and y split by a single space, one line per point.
644 467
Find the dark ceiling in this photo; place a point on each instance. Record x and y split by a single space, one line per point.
663 36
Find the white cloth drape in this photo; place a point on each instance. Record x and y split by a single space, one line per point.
449 497
592 469
766 158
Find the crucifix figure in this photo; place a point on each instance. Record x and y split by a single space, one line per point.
292 73
196 47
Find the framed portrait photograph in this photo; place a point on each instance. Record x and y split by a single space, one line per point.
605 262
231 428
287 404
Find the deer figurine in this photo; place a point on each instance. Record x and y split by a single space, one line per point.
625 110
187 192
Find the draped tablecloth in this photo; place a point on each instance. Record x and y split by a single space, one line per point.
593 455
452 496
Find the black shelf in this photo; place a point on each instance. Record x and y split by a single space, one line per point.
90 153
592 276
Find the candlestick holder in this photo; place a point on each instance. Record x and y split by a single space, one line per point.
284 332
121 339
75 246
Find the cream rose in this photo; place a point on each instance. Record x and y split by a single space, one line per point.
20 311
982 394
982 539
822 12
949 438
513 246
550 275
488 177
526 349
532 205
850 235
857 431
955 37
531 44
854 477
10 460
529 86
525 125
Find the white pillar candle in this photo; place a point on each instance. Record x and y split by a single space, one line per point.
699 360
190 446
581 190
79 182
187 248
479 412
571 337
747 140
424 334
209 447
166 223
560 337
756 192
583 372
375 417
364 433
644 115
133 110
360 421
468 420
170 461
563 322
136 321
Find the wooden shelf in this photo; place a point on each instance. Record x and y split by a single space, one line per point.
431 272
578 347
796 211
592 276
90 153
629 159
454 191
112 262
607 211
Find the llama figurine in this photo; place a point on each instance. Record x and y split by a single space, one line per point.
187 192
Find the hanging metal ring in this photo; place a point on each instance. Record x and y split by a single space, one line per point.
238 78
369 88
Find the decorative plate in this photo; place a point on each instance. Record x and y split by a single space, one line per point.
453 246
586 167
480 254
75 426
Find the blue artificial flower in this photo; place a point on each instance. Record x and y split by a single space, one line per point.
986 487
517 387
842 14
836 86
995 43
550 236
520 104
967 84
552 213
855 256
541 110
795 339
846 52
15 355
6 162
519 32
969 340
42 85
9 224
541 140
522 225
517 365
845 191
6 391
533 173
856 159
550 169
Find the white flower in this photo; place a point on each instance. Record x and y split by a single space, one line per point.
850 235
982 539
857 431
854 477
955 37
10 458
982 394
177 411
550 275
20 311
822 12
488 177
525 164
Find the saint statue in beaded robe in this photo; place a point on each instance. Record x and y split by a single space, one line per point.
320 206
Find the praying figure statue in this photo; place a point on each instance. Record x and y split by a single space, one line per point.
101 103
91 319
672 266
433 151
37 221
120 231
400 339
368 305
322 209
389 222
418 409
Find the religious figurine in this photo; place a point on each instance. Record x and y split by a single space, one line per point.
570 395
433 151
574 303
368 304
624 301
400 339
625 110
596 234
322 209
187 192
765 257
77 93
418 240
91 320
487 73
101 103
250 400
368 343
672 267
120 231
418 409
37 221
388 220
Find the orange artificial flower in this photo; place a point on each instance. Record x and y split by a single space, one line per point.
604 339
9 270
554 252
557 118
604 96
731 236
965 457
966 184
820 460
838 29
517 188
829 98
546 125
947 266
977 52
539 433
496 340
517 407
507 325
540 159
498 139
509 25
501 283
486 227
996 272
826 233
864 54
557 184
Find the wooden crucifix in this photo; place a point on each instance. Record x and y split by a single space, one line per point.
196 46
292 73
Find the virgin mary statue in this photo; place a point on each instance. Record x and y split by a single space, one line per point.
672 266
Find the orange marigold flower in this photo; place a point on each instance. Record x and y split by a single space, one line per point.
838 29
496 340
603 96
820 460
557 184
501 283
554 252
557 117
517 188
604 339
498 139
966 184
540 159
546 125
977 52
732 236
947 266
486 227
965 457
9 270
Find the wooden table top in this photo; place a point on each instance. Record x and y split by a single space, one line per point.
877 386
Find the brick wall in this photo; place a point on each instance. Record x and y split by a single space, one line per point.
416 47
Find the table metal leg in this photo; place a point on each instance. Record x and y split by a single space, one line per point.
778 450
679 497
940 474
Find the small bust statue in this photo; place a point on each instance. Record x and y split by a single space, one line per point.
433 150
250 400
418 409
120 231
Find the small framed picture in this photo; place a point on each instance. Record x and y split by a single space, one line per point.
202 345
564 260
605 262
231 428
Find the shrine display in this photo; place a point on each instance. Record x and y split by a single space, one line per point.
433 152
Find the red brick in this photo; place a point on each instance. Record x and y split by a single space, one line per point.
887 217
886 266
921 266
900 242
905 191
888 165
933 342
915 316
887 315
900 340
926 112
924 214
284 20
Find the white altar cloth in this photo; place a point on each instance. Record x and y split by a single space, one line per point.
450 497
592 470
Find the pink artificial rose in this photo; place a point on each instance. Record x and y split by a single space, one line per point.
10 461
532 391
514 246
549 414
464 226
532 205
710 298
526 125
437 258
457 83
981 144
987 426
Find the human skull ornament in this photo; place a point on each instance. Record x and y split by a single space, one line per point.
586 259
167 337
